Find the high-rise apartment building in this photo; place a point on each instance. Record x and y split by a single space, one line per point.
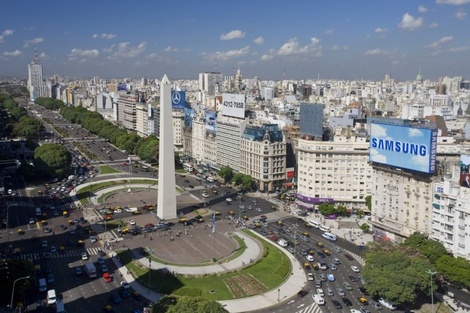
210 82
36 85
126 111
229 133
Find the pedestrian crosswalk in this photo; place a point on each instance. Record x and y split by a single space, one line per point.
56 255
313 308
21 203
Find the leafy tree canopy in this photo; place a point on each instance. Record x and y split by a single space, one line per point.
368 200
226 173
432 249
455 269
49 103
397 273
196 305
52 159
28 127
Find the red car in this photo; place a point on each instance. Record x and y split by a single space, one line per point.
348 256
107 278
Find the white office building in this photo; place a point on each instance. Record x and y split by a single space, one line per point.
229 133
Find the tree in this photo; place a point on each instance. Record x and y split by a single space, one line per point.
455 269
13 269
226 173
365 228
326 208
237 179
248 182
28 127
52 159
196 305
368 200
432 249
396 273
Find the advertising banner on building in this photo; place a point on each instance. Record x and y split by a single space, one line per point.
465 170
211 121
188 117
405 147
233 105
178 99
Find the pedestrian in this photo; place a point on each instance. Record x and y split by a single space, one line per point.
171 238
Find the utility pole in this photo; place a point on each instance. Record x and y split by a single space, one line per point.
432 293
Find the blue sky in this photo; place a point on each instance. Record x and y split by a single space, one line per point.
343 39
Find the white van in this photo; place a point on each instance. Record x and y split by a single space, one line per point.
51 297
314 223
130 210
318 299
324 228
42 284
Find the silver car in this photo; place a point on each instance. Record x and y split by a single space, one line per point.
340 292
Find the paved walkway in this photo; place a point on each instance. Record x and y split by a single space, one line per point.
288 289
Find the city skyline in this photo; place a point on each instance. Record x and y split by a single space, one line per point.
298 40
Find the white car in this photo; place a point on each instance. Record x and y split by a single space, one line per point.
84 256
355 311
355 269
117 211
310 276
31 220
229 200
320 292
132 222
310 258
205 195
93 239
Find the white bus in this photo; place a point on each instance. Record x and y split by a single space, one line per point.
314 223
329 236
324 228
188 167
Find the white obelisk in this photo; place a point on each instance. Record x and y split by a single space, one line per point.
166 166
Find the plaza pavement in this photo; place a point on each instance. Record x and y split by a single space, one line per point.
287 290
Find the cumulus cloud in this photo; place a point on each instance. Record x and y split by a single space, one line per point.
460 14
420 162
453 2
6 33
380 30
170 49
438 43
125 50
330 31
83 55
433 25
104 36
375 156
33 41
227 55
293 48
259 40
459 49
377 51
378 130
414 132
12 53
234 34
422 9
339 48
409 22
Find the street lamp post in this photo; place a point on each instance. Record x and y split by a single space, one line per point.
432 293
13 290
278 294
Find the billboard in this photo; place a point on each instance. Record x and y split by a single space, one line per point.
188 117
233 105
406 147
178 99
211 121
465 170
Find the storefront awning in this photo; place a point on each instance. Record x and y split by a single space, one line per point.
304 204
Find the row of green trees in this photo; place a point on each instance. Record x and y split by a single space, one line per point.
240 180
17 123
146 148
400 272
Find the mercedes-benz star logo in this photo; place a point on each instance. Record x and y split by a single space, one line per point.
176 98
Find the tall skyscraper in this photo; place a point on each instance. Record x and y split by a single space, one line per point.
166 167
36 86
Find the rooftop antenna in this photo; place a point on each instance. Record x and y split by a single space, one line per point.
35 60
215 66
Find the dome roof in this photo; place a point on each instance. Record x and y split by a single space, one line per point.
419 77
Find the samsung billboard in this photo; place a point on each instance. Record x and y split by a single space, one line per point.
233 105
405 147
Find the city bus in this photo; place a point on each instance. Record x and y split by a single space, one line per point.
188 167
314 223
329 236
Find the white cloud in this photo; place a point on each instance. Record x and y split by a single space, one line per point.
170 49
330 31
6 33
422 9
83 55
104 36
227 55
453 2
338 48
378 130
33 41
380 30
293 47
438 43
436 53
459 49
12 53
421 162
377 51
267 57
234 34
409 22
375 156
460 14
259 40
433 25
125 50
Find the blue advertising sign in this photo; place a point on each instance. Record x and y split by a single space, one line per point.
122 87
188 117
406 147
178 99
211 121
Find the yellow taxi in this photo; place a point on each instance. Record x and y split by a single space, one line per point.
20 231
